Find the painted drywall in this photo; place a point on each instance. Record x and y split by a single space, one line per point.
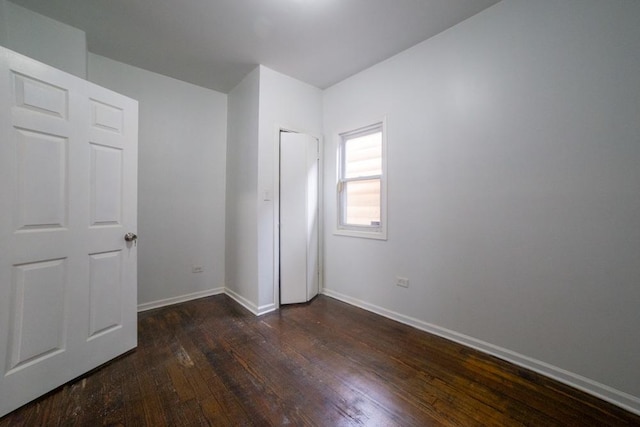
295 105
3 23
181 180
43 39
513 186
264 100
242 169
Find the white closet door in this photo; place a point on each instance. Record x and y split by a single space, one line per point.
298 217
68 193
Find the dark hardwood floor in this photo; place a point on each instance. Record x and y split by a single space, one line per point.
210 362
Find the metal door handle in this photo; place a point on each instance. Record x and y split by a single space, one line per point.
130 237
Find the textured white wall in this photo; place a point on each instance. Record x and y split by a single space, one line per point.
181 179
43 39
514 185
242 181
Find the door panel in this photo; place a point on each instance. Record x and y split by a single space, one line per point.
42 180
312 213
107 117
106 305
40 96
293 222
112 178
298 217
37 312
37 256
67 294
106 185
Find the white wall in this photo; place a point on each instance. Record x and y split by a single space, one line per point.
4 26
181 180
43 39
264 100
242 169
284 101
514 183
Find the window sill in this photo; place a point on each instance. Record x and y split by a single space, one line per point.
376 235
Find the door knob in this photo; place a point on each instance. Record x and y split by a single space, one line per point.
130 237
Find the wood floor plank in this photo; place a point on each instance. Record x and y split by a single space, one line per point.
337 394
380 378
331 367
442 359
209 362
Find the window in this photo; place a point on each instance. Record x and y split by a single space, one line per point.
361 183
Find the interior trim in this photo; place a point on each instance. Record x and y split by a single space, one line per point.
182 298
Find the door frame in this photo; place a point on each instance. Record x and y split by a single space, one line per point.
276 208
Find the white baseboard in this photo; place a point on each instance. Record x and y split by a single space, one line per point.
268 308
624 400
258 311
242 301
182 298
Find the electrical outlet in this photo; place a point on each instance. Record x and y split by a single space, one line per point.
402 282
197 269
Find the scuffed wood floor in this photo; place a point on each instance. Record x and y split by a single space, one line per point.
210 362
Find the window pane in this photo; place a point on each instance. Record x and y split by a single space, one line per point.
362 202
363 156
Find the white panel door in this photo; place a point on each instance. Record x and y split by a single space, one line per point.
298 218
68 154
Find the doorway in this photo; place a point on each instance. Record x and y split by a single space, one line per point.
299 214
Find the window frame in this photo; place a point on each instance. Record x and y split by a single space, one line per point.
378 232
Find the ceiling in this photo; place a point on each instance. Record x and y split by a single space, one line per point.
215 43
